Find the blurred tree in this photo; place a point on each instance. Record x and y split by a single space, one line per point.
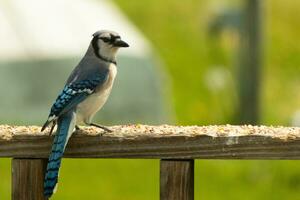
250 65
246 25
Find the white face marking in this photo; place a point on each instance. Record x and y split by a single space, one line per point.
107 50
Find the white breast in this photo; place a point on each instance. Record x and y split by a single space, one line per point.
89 107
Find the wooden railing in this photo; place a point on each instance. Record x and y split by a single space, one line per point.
176 146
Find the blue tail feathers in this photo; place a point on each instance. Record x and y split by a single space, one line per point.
65 127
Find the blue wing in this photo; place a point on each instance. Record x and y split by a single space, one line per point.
72 95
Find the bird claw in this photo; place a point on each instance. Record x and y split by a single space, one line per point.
77 128
106 130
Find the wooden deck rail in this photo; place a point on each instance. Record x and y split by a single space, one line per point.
176 146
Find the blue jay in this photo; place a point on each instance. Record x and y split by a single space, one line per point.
85 92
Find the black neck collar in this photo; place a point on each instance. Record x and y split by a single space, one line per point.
96 51
105 59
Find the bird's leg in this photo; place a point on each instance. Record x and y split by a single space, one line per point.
102 127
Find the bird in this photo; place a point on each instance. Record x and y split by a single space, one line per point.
85 92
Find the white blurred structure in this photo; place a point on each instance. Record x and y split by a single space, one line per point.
42 40
56 28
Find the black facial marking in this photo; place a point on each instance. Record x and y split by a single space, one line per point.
95 46
113 38
110 40
105 39
96 49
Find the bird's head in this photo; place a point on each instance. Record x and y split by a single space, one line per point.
106 44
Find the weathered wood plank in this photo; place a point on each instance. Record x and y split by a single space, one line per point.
28 178
163 142
176 179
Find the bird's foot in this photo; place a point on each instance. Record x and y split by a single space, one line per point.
77 128
102 127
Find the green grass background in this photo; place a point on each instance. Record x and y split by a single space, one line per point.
178 31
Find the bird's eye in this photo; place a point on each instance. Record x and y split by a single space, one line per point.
105 39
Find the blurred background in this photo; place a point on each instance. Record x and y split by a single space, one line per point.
190 63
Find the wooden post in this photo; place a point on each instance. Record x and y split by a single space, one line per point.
250 64
176 179
28 179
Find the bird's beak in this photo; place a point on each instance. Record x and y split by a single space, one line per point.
120 43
